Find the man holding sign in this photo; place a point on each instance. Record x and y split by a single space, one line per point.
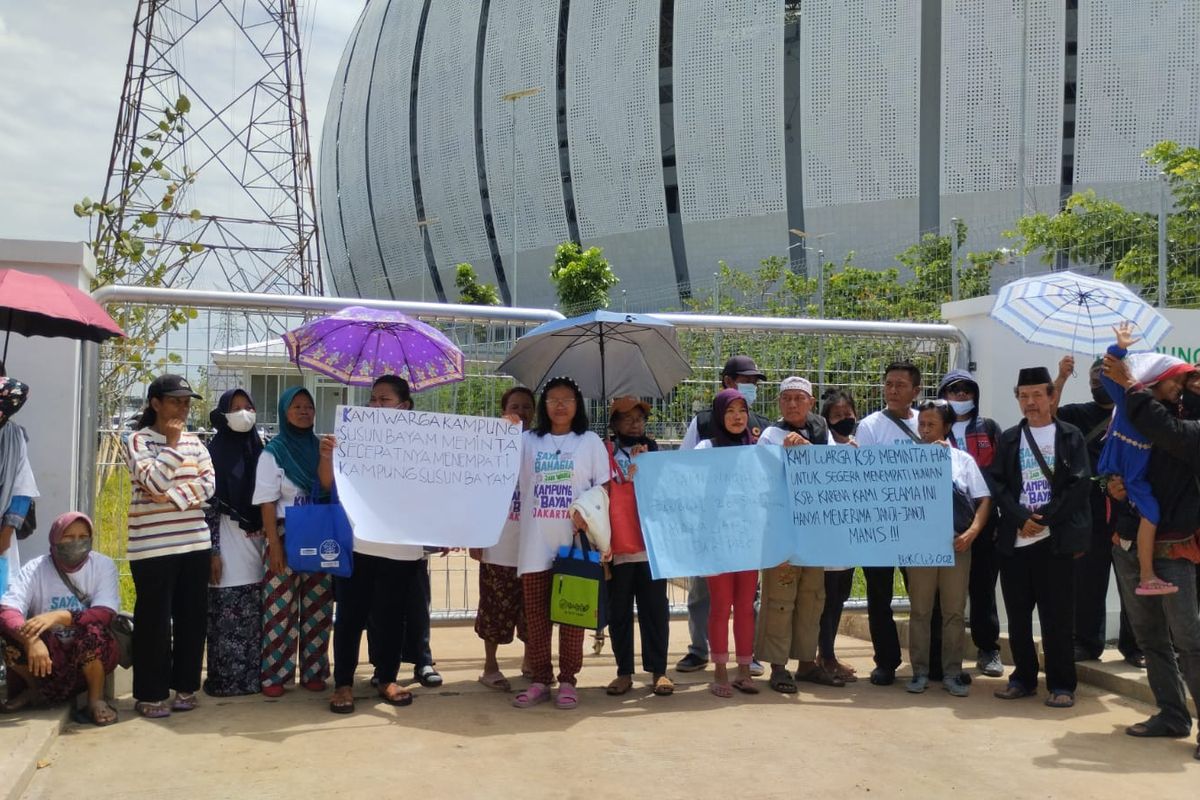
793 596
1041 481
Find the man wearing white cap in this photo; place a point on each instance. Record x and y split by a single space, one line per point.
789 620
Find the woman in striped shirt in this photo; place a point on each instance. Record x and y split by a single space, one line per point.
169 550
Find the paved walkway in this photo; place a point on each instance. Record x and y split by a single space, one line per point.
466 741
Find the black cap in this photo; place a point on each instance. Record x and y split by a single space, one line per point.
742 365
1033 376
171 386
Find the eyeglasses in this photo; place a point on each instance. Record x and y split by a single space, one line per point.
551 401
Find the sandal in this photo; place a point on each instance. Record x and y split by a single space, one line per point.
536 694
567 698
1155 727
99 713
721 689
315 685
1014 691
394 695
184 701
157 710
428 677
495 680
272 690
1155 586
342 701
745 685
22 701
818 674
782 681
1060 699
844 671
621 685
663 686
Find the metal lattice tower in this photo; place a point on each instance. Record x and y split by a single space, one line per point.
245 136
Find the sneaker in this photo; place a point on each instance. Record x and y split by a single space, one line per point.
956 687
756 669
918 684
883 677
989 663
691 663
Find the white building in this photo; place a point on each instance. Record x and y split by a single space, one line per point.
678 133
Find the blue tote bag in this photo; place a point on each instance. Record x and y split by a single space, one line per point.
318 537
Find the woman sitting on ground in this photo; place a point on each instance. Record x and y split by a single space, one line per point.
54 620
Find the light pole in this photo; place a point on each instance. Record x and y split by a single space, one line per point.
1021 120
512 98
423 227
803 236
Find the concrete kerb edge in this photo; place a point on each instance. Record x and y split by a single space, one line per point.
21 763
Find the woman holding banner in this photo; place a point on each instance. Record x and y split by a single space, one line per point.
297 607
837 407
385 586
560 460
736 590
501 599
972 506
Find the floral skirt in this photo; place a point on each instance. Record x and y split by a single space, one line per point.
234 640
70 649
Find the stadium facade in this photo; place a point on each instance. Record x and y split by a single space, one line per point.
677 133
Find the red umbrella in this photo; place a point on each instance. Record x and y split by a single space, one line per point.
34 305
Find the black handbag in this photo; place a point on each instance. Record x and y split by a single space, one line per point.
121 626
30 524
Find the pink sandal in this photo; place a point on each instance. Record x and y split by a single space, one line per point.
567 699
536 693
1155 586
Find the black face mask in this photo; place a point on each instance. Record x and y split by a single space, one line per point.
1191 405
844 427
1100 395
632 441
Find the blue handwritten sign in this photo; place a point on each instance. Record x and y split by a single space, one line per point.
704 512
890 505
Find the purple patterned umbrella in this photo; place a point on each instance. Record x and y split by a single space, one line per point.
356 345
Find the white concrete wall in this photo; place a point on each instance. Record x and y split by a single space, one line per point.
51 368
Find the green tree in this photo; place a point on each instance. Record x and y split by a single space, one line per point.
471 291
1100 232
582 278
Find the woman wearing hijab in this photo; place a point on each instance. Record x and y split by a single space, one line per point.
234 607
736 590
168 550
54 622
17 486
297 607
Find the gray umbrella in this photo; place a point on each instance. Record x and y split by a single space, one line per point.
607 354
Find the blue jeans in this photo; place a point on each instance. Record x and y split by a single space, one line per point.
1158 622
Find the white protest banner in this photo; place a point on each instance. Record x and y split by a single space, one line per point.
417 477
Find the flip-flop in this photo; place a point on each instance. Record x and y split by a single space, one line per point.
1154 727
184 701
536 694
495 680
818 674
402 698
21 702
745 685
158 710
1155 587
567 698
1060 700
621 685
1013 691
723 690
663 686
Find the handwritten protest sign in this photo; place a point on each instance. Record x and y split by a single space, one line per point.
416 477
710 511
737 508
871 506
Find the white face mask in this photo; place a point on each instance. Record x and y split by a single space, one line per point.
749 391
241 421
962 406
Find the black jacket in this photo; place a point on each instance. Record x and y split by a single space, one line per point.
1174 463
1068 514
815 428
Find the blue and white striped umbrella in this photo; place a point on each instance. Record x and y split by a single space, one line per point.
1076 313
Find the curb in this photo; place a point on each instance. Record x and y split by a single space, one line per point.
27 740
1111 673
